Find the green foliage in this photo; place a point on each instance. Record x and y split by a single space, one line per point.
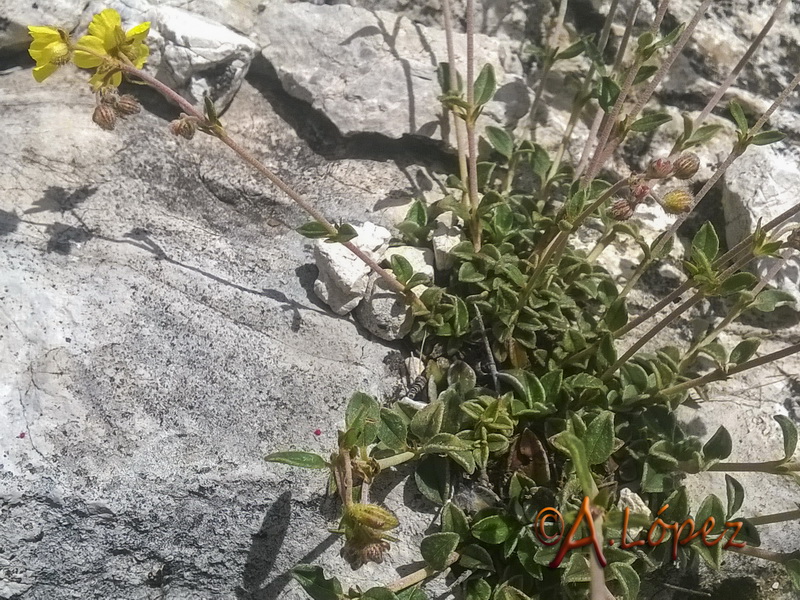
535 402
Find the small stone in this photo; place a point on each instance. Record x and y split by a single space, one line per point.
446 234
342 280
383 312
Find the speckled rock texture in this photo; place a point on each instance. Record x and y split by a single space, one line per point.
159 332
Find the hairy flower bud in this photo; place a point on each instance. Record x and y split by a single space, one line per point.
184 127
127 105
105 117
677 202
686 165
372 516
659 168
621 210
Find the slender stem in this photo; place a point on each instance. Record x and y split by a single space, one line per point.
420 575
472 138
723 87
581 96
763 553
697 297
719 374
791 515
249 158
458 123
397 459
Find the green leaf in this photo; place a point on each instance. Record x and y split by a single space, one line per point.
378 593
789 436
344 233
705 242
737 283
650 122
417 213
571 51
735 495
363 414
437 547
792 567
478 589
702 135
461 376
627 578
616 316
455 520
738 115
476 557
769 300
485 85
608 93
306 460
313 581
500 140
494 529
744 351
468 273
432 477
313 230
644 73
599 438
210 110
412 593
507 592
766 137
720 445
401 268
392 430
428 421
571 445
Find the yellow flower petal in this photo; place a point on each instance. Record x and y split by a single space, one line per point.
138 33
86 60
141 57
44 71
104 25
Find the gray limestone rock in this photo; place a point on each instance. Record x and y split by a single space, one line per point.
383 312
374 71
342 280
762 184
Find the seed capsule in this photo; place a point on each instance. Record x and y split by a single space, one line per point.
184 127
105 117
127 105
677 202
621 210
686 165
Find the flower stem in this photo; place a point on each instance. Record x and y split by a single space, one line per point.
420 575
249 158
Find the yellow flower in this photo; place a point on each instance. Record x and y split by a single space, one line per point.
51 48
107 39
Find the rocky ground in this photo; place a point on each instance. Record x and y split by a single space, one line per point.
159 330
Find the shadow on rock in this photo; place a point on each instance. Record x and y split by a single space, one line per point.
264 550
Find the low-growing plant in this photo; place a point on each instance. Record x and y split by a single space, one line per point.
537 401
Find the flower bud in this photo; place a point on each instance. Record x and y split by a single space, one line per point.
659 168
372 516
105 117
677 202
127 105
686 165
621 210
184 127
640 192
